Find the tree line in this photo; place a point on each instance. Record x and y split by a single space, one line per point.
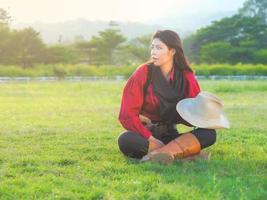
241 38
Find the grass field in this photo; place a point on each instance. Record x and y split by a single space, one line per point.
59 141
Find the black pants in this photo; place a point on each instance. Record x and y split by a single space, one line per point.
134 145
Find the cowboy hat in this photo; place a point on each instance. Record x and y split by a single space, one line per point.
203 111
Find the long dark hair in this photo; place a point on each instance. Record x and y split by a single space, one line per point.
172 40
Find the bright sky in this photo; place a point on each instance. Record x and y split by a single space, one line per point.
121 10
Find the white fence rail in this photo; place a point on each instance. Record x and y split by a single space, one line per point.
117 78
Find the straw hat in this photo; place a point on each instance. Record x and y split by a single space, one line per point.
203 111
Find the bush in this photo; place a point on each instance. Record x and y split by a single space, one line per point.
226 69
62 70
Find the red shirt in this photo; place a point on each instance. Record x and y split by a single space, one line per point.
132 100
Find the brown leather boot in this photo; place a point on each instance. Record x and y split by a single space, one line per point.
182 147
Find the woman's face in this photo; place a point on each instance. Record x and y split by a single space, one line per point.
160 53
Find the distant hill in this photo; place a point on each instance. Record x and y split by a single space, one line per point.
83 29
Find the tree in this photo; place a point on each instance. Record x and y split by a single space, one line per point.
215 52
239 31
246 32
4 35
101 49
5 42
5 18
139 49
255 8
261 56
28 46
60 54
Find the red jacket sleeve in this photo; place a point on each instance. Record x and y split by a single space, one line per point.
192 85
132 101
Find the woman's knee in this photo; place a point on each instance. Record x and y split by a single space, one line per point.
132 144
206 137
212 136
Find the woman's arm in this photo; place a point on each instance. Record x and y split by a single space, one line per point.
132 101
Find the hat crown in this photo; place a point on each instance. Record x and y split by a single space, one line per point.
208 105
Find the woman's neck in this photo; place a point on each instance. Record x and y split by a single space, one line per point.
166 69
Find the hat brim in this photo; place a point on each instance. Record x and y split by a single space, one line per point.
186 110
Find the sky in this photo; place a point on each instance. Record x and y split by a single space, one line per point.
52 11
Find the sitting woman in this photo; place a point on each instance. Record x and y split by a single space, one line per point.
148 106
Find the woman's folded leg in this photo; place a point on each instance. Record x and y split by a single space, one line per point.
133 145
186 145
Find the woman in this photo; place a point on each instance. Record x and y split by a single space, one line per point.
149 100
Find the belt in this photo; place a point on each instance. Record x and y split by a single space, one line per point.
160 128
164 124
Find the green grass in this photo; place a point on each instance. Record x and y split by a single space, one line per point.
59 141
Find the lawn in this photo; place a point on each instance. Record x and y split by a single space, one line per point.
59 141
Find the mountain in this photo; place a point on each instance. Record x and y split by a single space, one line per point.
83 29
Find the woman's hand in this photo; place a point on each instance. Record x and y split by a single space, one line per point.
154 143
145 120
